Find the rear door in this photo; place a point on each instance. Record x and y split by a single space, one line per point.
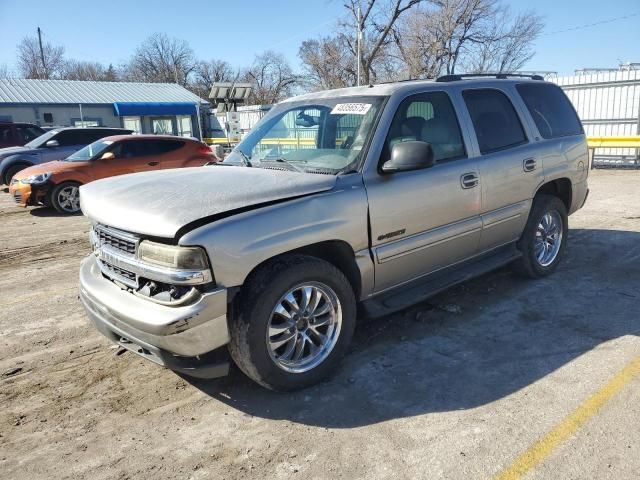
510 164
424 220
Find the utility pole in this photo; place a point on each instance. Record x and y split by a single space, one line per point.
359 40
44 65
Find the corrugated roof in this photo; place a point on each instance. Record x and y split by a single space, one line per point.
19 90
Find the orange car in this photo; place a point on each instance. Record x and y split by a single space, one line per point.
56 183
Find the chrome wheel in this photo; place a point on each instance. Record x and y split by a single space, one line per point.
548 238
304 327
69 199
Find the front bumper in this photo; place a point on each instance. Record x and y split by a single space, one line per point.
176 337
21 193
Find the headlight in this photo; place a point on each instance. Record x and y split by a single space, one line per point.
182 258
37 179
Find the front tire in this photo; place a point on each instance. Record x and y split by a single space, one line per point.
65 197
295 319
544 238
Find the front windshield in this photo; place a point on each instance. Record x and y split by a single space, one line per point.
41 140
323 135
90 151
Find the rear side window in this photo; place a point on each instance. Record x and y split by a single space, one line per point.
166 146
6 136
28 133
551 110
494 119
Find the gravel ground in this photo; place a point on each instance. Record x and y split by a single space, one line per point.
457 387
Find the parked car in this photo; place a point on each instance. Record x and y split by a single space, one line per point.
57 183
369 198
53 145
17 134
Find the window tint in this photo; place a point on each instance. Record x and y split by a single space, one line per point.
494 119
5 134
551 110
68 137
28 133
166 146
427 117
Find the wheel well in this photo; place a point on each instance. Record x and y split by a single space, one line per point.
336 252
22 164
560 188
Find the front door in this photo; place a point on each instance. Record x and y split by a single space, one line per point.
424 220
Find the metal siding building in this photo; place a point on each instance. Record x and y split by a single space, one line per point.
608 104
143 107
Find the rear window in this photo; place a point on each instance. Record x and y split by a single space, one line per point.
494 119
551 110
166 146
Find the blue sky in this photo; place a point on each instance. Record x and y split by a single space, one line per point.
234 31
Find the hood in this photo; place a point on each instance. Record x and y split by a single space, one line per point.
52 167
8 151
160 203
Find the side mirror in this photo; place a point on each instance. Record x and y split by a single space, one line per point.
108 156
412 155
52 144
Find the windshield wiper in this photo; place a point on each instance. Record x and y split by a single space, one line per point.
286 162
246 161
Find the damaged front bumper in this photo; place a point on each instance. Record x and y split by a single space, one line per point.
182 338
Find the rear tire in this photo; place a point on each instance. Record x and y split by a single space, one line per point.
544 238
65 197
283 347
12 170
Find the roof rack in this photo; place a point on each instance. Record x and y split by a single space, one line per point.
501 76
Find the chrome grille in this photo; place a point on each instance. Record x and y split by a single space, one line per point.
120 273
120 240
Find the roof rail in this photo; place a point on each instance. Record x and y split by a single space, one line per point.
501 76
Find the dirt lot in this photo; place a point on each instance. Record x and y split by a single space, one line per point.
463 386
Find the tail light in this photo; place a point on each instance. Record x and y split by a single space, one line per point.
204 149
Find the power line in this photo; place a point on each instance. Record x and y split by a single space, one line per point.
588 25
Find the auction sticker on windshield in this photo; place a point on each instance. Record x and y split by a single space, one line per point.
351 108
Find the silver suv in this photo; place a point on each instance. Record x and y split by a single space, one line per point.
343 203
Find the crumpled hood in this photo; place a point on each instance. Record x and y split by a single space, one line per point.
160 203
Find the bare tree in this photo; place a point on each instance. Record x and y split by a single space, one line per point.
477 35
162 59
207 73
4 71
272 78
508 47
327 63
377 20
30 64
82 70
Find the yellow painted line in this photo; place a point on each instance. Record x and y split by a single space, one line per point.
543 448
632 141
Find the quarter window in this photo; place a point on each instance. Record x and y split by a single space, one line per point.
551 110
427 117
494 119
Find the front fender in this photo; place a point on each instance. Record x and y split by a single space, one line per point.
239 243
6 162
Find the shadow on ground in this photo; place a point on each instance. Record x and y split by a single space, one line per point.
50 212
508 333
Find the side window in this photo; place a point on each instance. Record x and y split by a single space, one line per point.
166 146
132 149
28 133
66 138
427 117
5 134
551 110
494 119
91 135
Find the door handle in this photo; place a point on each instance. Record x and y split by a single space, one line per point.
469 180
153 164
529 164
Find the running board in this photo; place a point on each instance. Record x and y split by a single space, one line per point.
421 289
